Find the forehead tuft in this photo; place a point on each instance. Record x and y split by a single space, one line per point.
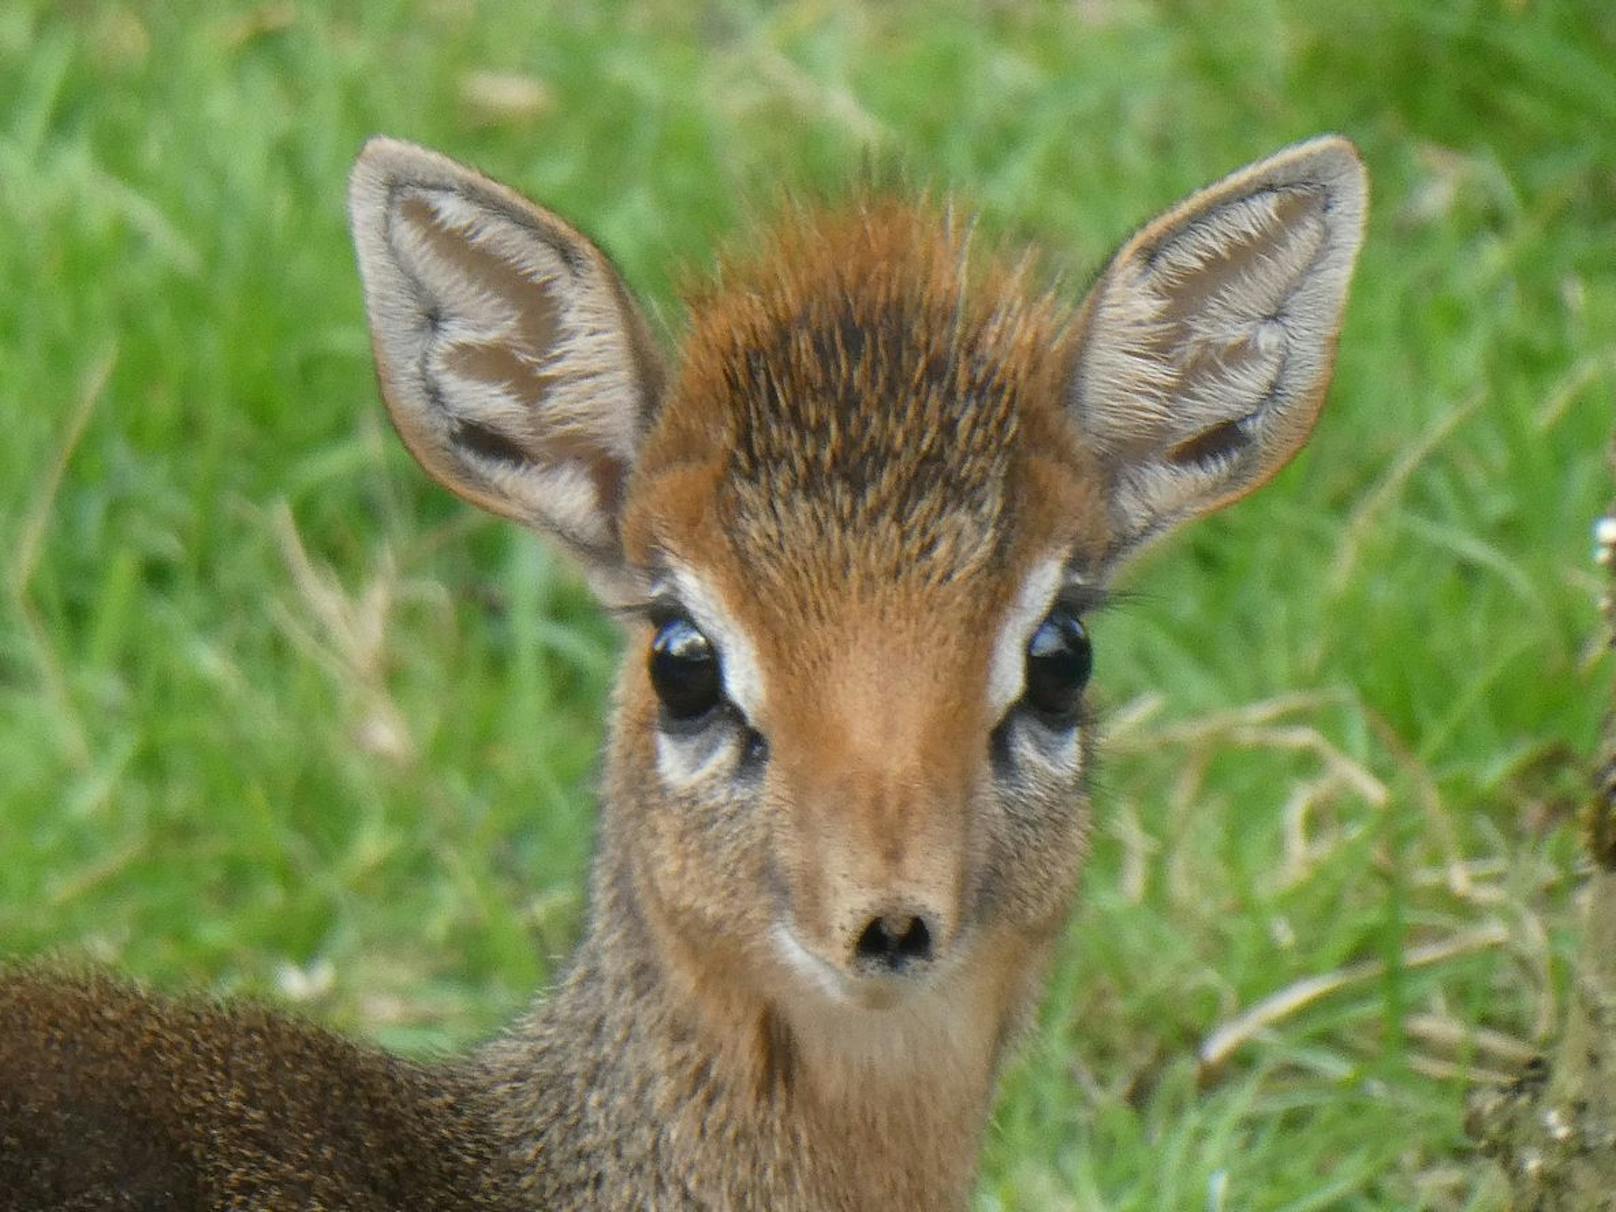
866 388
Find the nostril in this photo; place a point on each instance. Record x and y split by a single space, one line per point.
895 940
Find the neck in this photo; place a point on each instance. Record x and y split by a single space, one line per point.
706 1093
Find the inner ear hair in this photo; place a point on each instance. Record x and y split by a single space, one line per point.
1207 343
512 361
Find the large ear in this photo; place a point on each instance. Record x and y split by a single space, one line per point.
512 361
1207 344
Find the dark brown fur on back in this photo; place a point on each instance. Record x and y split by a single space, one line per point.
111 1099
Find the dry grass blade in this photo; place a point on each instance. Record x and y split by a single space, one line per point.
31 542
1301 852
1255 726
492 97
1455 1035
1310 740
1585 371
352 640
1442 1070
1430 799
1366 518
1137 848
1213 725
38 519
1232 1036
1132 716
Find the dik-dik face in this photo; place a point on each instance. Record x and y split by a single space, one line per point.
859 529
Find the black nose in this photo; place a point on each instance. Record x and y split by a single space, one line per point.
894 941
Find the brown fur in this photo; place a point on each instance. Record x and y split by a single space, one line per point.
113 1099
868 478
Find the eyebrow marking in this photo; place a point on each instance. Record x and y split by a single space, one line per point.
1083 599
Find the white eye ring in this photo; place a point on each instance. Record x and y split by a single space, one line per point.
1036 746
687 762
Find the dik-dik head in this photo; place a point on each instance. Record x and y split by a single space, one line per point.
857 529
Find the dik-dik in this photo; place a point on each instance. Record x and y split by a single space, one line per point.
854 530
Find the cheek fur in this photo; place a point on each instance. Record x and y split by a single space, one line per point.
1037 833
705 852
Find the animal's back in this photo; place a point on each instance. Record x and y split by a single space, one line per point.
112 1099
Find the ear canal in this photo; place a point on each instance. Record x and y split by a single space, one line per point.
511 360
1207 343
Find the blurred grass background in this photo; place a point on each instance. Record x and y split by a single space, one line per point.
278 716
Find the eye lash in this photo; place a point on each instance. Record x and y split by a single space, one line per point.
664 608
655 610
1083 599
630 611
659 604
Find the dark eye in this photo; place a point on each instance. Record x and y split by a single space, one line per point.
684 670
1059 661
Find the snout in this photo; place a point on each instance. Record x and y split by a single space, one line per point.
874 946
880 954
875 841
894 941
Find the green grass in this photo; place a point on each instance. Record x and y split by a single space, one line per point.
363 780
